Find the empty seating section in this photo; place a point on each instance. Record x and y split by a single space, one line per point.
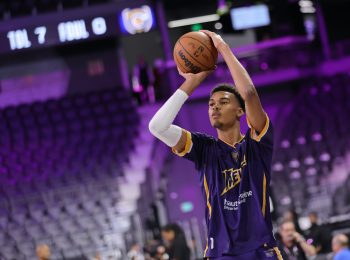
61 162
315 133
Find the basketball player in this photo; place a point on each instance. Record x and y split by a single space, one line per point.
234 169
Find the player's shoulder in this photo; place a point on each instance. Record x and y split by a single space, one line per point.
203 137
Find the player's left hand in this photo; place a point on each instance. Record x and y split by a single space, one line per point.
195 79
216 38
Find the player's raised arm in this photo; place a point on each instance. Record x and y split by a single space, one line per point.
243 83
161 124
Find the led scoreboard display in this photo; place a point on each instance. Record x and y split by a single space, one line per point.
57 31
50 34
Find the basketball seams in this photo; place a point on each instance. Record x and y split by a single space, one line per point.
192 56
212 55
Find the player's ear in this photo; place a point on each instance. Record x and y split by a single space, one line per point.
240 112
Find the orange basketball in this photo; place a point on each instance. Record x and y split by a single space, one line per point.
195 52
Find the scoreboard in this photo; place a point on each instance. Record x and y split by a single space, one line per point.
34 33
57 33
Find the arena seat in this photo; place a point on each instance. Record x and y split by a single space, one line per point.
59 164
313 136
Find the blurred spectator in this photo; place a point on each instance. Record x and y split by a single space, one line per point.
292 245
154 250
292 216
43 252
341 198
320 235
135 253
97 257
340 244
142 80
158 73
175 240
161 253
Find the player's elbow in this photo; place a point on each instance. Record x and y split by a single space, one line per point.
154 128
249 93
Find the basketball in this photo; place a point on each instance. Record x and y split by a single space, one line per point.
195 52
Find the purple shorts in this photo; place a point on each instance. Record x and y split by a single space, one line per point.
261 253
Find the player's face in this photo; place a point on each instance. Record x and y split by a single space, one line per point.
224 110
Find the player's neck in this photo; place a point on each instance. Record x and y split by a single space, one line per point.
231 135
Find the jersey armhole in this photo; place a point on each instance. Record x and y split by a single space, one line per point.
188 145
254 134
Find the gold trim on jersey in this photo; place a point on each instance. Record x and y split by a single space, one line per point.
206 250
253 133
188 145
240 140
207 194
278 253
263 208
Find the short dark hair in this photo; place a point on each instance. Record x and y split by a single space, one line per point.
178 231
229 88
172 227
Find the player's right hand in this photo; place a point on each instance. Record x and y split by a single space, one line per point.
216 38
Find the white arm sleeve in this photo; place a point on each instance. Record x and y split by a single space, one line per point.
161 123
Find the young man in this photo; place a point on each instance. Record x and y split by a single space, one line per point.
234 169
292 244
175 240
320 235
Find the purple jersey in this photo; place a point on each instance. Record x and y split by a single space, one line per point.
235 185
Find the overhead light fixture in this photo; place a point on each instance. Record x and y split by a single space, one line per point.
223 7
305 3
308 10
194 20
218 26
307 7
